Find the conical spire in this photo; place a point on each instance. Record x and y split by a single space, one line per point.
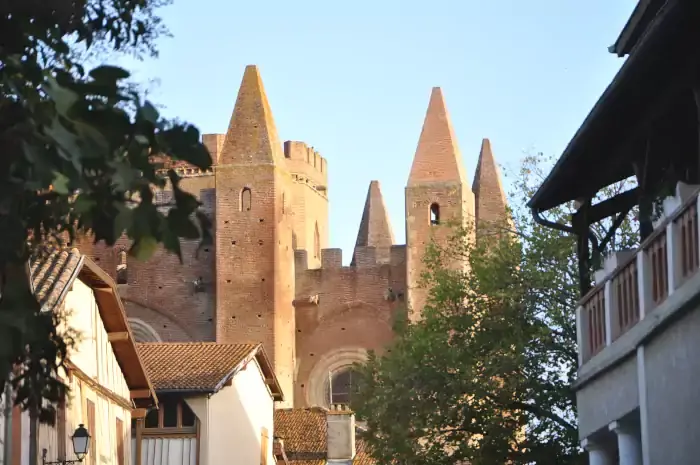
489 197
375 229
437 156
252 136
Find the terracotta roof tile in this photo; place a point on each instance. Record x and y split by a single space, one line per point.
304 433
52 273
192 366
362 456
307 462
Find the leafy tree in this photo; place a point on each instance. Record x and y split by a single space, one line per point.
486 376
78 159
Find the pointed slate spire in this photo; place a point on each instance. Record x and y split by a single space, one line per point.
437 157
252 136
489 198
375 229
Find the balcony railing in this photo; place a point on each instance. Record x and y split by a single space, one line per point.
640 283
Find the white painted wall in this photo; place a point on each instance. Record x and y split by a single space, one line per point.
200 407
92 352
237 415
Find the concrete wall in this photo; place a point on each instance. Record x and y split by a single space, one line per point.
672 378
608 398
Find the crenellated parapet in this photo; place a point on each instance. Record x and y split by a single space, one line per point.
214 143
365 257
307 166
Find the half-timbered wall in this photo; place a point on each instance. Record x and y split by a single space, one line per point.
98 397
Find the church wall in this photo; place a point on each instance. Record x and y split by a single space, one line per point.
163 283
343 309
309 199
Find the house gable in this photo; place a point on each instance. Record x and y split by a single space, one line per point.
54 274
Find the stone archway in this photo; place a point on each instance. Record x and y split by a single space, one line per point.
143 332
335 361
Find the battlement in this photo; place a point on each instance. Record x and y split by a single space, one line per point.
306 164
365 257
214 143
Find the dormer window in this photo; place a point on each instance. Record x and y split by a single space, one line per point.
434 214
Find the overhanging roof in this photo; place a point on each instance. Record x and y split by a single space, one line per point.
598 155
53 272
641 17
203 367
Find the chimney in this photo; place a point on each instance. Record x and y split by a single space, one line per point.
341 434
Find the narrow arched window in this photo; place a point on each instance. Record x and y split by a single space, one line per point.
317 243
434 214
284 200
122 277
246 199
340 386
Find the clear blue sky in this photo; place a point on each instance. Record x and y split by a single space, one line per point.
353 79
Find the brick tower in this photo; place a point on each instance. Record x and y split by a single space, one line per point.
254 256
437 195
491 205
375 229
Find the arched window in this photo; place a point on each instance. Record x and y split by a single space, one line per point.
122 277
317 243
143 332
246 199
340 386
434 214
284 200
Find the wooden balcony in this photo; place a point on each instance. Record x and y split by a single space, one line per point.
641 281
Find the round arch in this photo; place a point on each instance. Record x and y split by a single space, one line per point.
337 360
143 332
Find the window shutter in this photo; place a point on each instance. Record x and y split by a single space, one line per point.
120 442
90 412
61 430
263 446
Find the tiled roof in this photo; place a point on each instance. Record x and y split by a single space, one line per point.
362 456
192 366
304 430
52 272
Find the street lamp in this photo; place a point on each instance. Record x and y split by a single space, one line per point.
81 443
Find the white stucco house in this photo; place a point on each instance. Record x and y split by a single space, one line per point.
107 381
217 405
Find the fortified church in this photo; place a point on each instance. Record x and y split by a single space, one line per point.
270 275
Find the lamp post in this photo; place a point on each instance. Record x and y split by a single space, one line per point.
81 443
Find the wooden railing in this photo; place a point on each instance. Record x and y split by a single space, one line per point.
662 263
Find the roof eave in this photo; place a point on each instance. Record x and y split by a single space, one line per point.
105 279
643 14
185 392
602 107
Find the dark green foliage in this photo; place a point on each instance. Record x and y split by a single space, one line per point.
486 376
76 158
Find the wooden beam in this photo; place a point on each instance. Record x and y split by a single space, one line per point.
140 393
608 207
118 336
269 381
138 413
